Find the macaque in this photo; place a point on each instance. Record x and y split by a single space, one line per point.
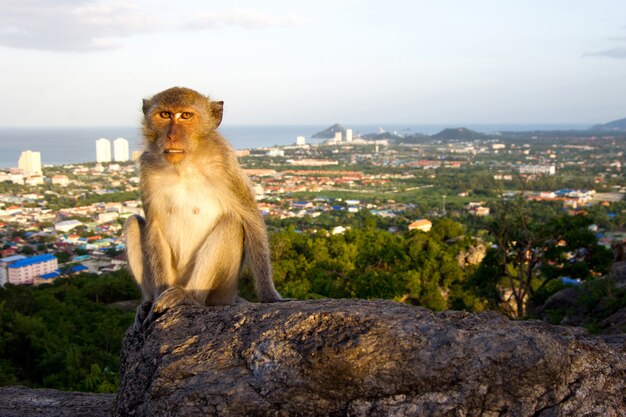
201 222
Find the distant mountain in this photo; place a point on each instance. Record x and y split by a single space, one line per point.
330 132
381 136
459 133
408 139
616 125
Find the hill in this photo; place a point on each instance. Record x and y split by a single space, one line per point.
459 133
329 133
615 125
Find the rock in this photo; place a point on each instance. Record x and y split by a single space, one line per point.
365 358
618 274
28 402
474 255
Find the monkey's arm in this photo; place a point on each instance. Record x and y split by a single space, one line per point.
256 243
133 230
257 251
149 260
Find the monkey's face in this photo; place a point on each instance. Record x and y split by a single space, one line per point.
176 121
177 130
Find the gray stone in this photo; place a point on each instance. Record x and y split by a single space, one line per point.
365 358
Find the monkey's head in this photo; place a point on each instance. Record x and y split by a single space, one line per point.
177 120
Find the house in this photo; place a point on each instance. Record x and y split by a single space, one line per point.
67 225
61 180
421 224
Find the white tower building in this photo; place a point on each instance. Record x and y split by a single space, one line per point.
120 150
30 163
103 150
300 141
348 135
337 137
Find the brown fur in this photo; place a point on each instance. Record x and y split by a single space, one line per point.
201 221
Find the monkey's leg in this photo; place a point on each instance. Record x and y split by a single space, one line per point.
218 264
133 230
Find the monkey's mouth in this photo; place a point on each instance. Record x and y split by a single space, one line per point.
167 151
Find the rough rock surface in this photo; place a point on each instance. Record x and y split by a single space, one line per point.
365 358
28 402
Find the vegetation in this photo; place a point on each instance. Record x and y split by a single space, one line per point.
66 335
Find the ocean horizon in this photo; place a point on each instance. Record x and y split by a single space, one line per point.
68 145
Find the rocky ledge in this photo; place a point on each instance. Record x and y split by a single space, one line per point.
28 402
365 358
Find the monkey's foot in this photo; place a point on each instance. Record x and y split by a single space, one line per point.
169 298
142 313
278 299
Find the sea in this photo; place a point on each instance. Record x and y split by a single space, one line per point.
69 145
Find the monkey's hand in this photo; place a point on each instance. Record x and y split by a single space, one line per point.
169 298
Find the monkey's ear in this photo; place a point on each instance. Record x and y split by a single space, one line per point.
146 106
217 111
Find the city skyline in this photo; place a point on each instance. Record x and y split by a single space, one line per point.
280 62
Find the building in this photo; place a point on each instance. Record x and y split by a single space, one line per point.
300 141
121 150
103 150
4 263
421 224
67 225
337 137
61 180
537 169
30 163
274 152
348 135
24 271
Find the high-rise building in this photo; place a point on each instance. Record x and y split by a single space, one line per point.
337 137
300 140
120 150
348 135
103 150
30 163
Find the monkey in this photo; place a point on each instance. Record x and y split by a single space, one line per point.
201 224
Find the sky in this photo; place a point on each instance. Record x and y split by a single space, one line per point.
287 62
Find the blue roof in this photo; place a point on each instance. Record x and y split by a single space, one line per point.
79 268
50 275
32 260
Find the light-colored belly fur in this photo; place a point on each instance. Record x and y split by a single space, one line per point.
192 208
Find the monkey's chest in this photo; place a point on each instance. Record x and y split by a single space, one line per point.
190 213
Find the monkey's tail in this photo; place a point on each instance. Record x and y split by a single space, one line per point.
257 253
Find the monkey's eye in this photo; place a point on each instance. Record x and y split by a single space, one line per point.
186 115
165 115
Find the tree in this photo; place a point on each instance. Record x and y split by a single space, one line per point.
534 248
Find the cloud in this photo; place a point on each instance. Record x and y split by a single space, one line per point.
79 25
240 18
618 52
93 25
